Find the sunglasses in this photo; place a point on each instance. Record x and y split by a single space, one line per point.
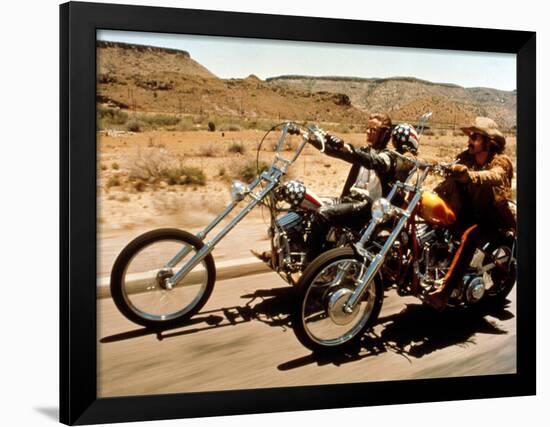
375 128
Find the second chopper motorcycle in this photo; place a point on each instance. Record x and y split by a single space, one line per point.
409 243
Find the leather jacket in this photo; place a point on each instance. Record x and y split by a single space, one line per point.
387 165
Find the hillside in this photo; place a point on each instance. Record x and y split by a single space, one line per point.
151 79
159 80
408 97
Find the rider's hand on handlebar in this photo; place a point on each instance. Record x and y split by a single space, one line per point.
459 172
334 141
294 130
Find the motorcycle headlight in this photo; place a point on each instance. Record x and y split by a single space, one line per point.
238 191
381 209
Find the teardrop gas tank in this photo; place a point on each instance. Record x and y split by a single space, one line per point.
434 210
311 201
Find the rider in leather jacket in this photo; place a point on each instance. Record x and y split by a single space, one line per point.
375 167
374 170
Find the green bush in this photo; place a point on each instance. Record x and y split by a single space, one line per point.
107 117
210 150
113 181
236 148
192 176
250 170
183 175
134 125
185 124
158 120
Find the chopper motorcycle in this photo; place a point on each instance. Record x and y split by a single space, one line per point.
409 243
165 276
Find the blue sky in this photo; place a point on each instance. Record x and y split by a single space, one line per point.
229 57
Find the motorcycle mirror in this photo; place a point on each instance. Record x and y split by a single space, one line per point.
422 122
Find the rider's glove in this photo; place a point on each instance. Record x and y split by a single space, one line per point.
293 129
334 142
460 173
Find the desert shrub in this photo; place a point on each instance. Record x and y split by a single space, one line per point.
183 175
289 145
110 116
341 128
249 170
139 185
154 165
209 150
199 119
185 124
113 181
192 176
148 164
115 166
236 148
253 124
211 126
158 120
134 125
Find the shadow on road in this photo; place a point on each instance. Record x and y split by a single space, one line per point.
269 306
415 332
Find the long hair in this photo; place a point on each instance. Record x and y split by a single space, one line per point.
386 126
493 145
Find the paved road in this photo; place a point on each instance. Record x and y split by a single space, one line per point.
242 339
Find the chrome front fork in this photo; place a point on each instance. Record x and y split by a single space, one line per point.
376 261
272 177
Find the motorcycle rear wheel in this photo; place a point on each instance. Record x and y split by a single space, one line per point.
502 277
138 279
319 322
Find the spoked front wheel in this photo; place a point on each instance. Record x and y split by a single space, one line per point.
139 279
320 321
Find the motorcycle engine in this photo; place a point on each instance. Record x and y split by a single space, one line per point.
438 247
289 239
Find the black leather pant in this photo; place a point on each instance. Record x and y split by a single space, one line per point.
350 212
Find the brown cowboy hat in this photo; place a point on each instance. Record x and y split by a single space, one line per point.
488 127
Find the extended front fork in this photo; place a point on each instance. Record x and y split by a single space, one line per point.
377 260
272 177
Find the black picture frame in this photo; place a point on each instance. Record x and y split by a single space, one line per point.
78 248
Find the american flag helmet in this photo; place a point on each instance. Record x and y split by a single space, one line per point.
293 192
404 138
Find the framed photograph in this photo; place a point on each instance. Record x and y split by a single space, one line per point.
265 213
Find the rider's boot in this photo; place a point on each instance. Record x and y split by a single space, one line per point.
463 256
264 256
